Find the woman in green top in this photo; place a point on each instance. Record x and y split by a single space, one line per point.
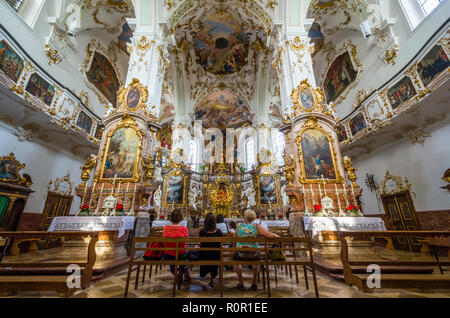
247 229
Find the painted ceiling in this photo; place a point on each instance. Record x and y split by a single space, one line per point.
222 108
221 46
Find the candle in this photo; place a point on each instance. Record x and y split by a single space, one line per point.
320 191
353 193
337 195
324 186
312 194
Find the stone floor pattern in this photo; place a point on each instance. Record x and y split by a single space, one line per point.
160 286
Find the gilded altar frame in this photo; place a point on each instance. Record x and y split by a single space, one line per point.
176 173
316 94
127 122
122 97
312 124
258 190
18 166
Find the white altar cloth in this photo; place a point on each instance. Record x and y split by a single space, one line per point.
318 224
161 223
92 223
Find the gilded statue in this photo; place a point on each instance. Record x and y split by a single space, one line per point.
350 170
221 197
148 167
289 169
86 169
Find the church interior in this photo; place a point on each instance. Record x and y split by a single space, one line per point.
297 126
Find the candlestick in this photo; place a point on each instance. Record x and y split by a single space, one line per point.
304 197
134 199
324 186
339 201
320 192
99 199
312 194
353 193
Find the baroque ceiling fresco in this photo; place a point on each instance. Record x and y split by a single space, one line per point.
222 108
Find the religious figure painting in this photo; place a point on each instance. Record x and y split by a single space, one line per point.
268 190
9 170
41 89
164 136
401 92
221 46
10 63
121 154
104 77
307 99
98 132
222 109
317 156
175 189
84 122
357 124
433 64
342 134
133 98
339 76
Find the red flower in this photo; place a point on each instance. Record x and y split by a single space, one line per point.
280 216
85 207
352 208
161 216
317 208
119 207
262 216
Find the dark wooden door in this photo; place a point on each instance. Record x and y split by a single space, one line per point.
55 205
400 210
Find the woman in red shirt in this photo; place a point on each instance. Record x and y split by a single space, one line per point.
176 230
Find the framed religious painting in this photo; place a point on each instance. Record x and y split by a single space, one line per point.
9 169
342 134
11 64
267 190
40 89
84 121
175 189
357 124
434 63
305 98
317 157
401 92
134 96
121 152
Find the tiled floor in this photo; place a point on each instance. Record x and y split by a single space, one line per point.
161 286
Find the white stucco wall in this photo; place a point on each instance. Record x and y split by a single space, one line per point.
43 163
423 166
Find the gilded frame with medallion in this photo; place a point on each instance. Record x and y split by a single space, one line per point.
12 175
306 98
276 182
135 87
312 125
126 124
181 180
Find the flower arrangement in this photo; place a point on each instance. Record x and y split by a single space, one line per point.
161 217
353 209
85 208
280 216
119 207
263 217
317 208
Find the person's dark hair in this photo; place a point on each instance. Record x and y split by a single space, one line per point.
219 218
232 225
210 222
176 216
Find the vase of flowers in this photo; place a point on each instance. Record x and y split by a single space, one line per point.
281 217
119 209
318 210
84 209
161 217
353 210
263 217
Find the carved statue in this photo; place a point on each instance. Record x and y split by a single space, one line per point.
250 194
157 197
284 196
350 170
149 168
289 169
86 169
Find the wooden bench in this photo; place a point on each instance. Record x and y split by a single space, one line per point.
400 280
42 275
227 249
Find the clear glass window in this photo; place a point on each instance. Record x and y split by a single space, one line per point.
250 159
429 5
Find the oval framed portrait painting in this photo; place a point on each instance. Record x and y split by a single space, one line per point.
307 99
133 98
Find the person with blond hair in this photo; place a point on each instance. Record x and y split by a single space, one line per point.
249 229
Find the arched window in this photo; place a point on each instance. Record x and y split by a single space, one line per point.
279 147
417 10
194 154
250 157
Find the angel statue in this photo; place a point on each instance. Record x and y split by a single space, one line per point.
350 170
284 196
289 169
86 169
249 193
148 167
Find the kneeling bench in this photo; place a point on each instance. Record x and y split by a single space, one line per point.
42 275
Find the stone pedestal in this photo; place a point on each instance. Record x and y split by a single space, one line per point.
142 229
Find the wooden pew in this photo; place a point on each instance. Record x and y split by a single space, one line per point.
227 250
40 279
394 281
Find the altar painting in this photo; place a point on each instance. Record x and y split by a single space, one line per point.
10 63
401 92
41 89
175 190
9 170
339 76
433 64
103 75
318 159
268 190
357 124
121 154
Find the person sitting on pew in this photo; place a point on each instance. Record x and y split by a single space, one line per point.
249 229
209 230
176 230
220 223
232 227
